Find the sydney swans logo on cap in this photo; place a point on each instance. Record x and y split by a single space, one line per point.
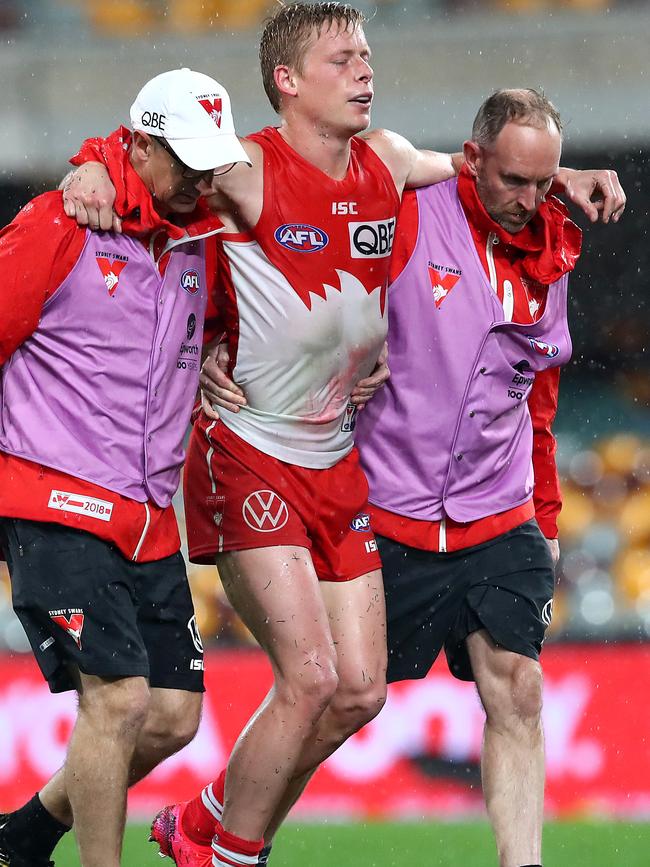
212 104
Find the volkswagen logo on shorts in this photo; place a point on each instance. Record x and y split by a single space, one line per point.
190 281
547 613
264 511
194 632
191 326
301 238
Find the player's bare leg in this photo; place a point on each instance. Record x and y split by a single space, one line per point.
512 764
276 593
172 720
111 714
357 618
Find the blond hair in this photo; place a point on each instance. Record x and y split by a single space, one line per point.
286 35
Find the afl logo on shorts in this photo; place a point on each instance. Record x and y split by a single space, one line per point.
190 281
550 350
360 523
301 238
265 512
547 613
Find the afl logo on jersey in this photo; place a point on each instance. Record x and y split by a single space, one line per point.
360 523
301 238
550 350
190 281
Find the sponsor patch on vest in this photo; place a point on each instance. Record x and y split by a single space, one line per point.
91 507
191 326
372 239
550 350
188 357
190 281
443 279
111 265
301 237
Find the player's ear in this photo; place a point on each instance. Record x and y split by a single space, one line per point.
472 154
285 80
142 146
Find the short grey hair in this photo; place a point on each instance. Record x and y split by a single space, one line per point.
522 105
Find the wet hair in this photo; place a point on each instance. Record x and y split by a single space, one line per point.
287 33
525 105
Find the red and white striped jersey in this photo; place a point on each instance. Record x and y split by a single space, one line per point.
303 299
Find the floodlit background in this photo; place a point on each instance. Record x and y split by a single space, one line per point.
70 69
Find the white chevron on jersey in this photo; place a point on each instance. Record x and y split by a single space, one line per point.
297 366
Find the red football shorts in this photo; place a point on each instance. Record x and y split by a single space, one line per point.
237 497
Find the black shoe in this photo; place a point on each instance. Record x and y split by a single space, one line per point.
13 859
263 858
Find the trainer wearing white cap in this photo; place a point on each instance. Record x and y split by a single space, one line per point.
98 373
191 113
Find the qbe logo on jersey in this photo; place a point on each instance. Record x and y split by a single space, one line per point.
265 512
373 239
301 237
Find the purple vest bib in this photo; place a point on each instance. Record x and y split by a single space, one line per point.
104 387
450 433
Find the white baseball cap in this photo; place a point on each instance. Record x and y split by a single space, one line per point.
191 111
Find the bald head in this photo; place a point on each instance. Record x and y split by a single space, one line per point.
515 105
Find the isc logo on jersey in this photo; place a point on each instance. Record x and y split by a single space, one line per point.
301 238
372 240
190 281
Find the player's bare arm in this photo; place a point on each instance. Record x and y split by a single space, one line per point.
597 192
409 166
237 196
88 197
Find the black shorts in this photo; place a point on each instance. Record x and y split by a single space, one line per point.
504 586
84 606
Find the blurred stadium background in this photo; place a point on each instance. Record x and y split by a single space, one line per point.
70 68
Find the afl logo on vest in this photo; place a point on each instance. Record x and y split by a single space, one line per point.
550 350
190 281
301 238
